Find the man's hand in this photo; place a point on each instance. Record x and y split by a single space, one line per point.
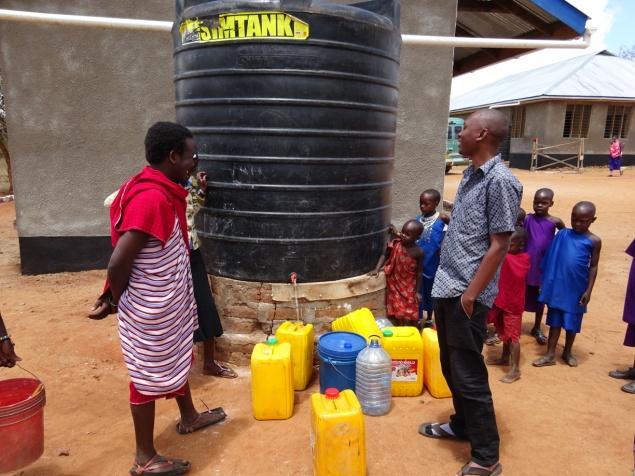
101 309
467 303
418 297
586 297
201 178
7 355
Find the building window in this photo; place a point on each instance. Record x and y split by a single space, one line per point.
617 121
517 122
576 120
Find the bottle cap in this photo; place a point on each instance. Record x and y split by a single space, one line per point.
272 340
331 393
387 333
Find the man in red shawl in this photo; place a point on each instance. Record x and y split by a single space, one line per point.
151 283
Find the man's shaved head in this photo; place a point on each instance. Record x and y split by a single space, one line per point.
494 121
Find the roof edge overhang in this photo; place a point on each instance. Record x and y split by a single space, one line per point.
536 99
565 12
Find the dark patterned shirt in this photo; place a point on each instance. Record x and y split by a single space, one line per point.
486 203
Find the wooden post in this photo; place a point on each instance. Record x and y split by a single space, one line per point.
581 156
534 154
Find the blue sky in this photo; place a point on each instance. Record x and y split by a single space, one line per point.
621 32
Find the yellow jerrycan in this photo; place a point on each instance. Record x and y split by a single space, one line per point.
432 374
272 380
300 337
361 321
405 348
337 434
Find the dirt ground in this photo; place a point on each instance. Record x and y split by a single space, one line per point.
555 420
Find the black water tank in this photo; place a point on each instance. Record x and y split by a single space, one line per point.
293 105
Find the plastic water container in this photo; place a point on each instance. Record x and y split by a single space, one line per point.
361 321
337 352
300 337
432 374
21 422
337 434
405 348
383 322
373 379
272 380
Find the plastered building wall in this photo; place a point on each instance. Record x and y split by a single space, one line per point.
79 101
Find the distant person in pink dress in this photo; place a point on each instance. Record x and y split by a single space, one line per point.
616 149
629 318
541 227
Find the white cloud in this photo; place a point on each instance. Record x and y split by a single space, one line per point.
600 23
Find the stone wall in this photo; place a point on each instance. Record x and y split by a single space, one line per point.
250 311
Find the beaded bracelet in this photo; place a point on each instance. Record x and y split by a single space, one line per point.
3 338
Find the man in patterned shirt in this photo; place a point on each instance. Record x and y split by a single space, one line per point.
465 286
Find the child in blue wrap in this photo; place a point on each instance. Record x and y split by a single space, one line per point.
434 226
569 268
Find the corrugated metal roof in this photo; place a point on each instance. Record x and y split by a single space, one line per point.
536 19
596 76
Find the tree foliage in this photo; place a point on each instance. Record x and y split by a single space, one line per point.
627 52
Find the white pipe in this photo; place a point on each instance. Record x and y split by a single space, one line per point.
166 26
467 42
81 20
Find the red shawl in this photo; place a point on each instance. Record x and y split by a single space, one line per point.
147 202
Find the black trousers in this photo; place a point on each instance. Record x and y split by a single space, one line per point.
461 343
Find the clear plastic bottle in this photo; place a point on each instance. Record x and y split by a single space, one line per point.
372 379
383 322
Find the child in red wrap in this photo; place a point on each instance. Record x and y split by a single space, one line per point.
507 311
403 267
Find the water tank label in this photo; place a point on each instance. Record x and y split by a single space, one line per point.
404 370
243 26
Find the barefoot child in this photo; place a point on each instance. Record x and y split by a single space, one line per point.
403 259
569 271
434 225
507 311
541 228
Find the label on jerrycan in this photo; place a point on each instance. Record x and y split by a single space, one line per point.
243 26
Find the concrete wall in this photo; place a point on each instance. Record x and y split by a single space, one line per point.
79 101
424 101
545 120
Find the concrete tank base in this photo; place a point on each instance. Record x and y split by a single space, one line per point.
250 311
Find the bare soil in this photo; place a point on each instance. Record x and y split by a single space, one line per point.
555 420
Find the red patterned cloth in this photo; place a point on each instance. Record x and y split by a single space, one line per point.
401 283
148 202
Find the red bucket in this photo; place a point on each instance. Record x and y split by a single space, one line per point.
21 422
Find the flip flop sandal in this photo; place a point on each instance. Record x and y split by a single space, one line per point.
225 372
625 374
200 423
161 466
540 336
474 471
434 430
543 362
